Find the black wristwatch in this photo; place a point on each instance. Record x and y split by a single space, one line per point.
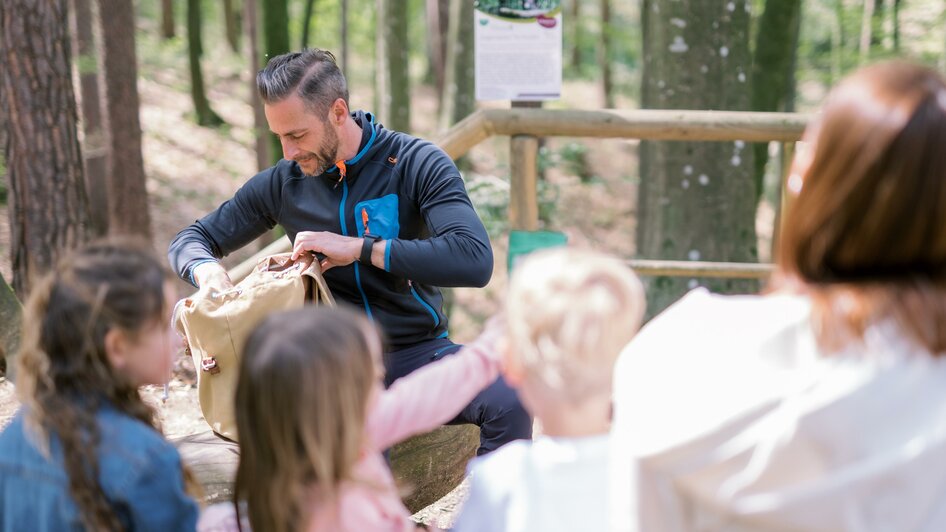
367 245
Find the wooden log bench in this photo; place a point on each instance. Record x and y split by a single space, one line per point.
429 465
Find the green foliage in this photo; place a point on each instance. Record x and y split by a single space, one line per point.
571 158
625 39
490 197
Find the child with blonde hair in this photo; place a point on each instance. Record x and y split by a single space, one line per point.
569 313
84 452
314 419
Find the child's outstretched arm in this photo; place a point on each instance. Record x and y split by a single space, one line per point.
437 392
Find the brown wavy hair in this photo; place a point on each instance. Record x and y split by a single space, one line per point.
301 402
865 236
64 375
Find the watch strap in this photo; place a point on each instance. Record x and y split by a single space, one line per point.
367 245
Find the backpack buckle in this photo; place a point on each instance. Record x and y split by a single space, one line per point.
209 364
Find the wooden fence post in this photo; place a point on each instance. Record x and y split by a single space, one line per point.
787 153
524 167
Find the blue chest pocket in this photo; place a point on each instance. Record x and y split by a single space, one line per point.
379 216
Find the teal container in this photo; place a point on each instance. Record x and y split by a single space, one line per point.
524 242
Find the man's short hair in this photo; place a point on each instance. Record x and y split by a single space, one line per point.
313 74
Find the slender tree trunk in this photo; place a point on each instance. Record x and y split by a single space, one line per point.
866 26
837 42
205 115
344 25
48 211
231 17
260 129
94 148
307 22
458 100
437 27
696 199
896 26
275 42
128 196
392 80
167 19
604 55
574 21
772 68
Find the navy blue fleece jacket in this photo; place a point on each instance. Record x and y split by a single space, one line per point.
413 197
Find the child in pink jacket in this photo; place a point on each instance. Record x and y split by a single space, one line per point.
313 420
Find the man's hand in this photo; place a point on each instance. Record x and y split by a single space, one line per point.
212 276
338 250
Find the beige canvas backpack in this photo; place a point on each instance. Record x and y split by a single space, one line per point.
216 325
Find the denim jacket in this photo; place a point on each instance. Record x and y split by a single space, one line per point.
139 471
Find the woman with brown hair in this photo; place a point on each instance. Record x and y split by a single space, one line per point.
822 404
84 453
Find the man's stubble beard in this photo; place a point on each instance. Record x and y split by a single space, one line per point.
327 153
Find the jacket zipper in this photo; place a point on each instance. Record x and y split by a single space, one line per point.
341 219
426 305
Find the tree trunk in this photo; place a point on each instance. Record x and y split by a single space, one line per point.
458 100
275 42
392 81
437 27
343 13
167 19
306 22
205 115
11 314
773 68
260 128
837 42
48 211
94 146
231 17
896 26
696 199
574 21
866 27
125 174
604 55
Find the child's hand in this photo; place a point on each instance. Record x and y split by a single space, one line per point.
493 338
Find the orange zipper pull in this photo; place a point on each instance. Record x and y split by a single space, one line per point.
342 171
364 219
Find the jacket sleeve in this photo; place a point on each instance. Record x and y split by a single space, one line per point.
431 395
457 251
156 499
252 211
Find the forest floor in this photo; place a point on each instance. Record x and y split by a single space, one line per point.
192 169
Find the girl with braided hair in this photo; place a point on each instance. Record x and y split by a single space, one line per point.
84 451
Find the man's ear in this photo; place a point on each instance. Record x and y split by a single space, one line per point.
116 347
338 112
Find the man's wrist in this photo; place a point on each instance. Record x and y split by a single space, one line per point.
200 270
367 247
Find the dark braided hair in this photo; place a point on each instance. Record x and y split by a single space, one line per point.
64 376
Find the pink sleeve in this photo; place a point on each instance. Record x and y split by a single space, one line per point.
431 396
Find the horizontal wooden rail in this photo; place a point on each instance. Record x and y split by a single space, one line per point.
647 124
672 268
685 268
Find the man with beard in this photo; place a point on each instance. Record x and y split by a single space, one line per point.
387 214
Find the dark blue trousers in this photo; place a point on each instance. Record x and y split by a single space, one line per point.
496 410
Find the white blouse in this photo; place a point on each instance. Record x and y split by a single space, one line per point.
727 417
